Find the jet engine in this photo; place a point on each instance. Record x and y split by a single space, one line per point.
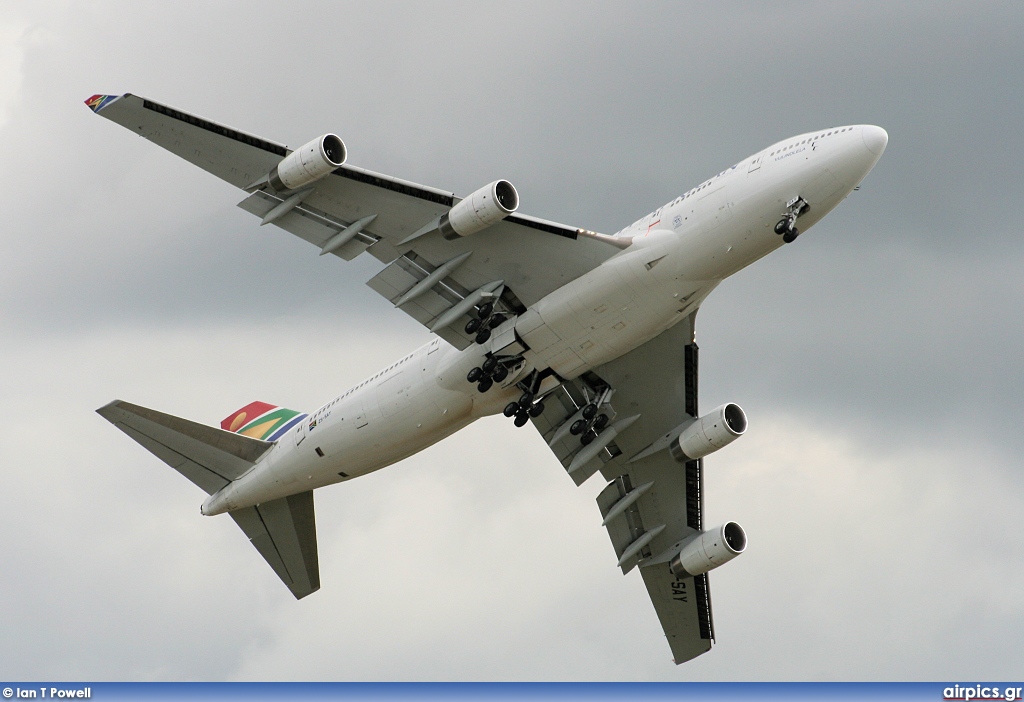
710 433
308 163
709 549
488 205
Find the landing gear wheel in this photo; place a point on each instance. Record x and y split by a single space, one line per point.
486 309
473 325
588 437
484 385
483 335
521 419
474 375
782 225
496 320
499 374
577 427
601 422
790 236
511 409
589 411
489 364
537 410
527 399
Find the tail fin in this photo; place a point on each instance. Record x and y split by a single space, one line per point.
282 530
262 421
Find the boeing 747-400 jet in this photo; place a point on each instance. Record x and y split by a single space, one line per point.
589 337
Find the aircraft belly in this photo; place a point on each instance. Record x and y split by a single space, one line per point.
604 314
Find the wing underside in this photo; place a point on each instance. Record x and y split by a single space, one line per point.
652 504
353 210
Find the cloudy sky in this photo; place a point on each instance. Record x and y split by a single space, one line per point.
877 358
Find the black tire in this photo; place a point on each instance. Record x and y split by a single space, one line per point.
499 374
483 335
537 410
601 422
588 437
474 374
511 409
521 419
577 427
489 364
473 325
790 236
527 399
496 320
484 385
485 310
589 411
781 226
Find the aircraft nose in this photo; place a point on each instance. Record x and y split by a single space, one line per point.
875 138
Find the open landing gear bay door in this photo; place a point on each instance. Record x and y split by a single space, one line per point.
653 503
352 210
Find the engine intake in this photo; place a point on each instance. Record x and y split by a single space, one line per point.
710 433
308 163
709 549
488 205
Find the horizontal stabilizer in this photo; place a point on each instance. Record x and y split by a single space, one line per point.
209 457
284 532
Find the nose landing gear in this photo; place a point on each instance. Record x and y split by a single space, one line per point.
787 225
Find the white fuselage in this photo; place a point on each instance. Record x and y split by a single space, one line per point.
680 252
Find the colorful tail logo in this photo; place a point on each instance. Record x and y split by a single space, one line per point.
98 102
262 421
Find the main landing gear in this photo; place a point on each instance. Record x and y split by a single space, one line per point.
787 225
590 424
491 371
486 320
528 405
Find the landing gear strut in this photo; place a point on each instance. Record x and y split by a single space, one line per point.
787 225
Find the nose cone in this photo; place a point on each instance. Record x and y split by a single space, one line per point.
875 138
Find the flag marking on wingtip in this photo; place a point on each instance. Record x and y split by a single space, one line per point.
98 102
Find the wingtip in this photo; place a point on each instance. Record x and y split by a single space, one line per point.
104 410
99 101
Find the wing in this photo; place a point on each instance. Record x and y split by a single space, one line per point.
520 259
652 503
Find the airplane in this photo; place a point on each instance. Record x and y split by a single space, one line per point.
588 336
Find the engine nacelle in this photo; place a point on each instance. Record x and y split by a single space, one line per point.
308 163
488 205
709 549
710 433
